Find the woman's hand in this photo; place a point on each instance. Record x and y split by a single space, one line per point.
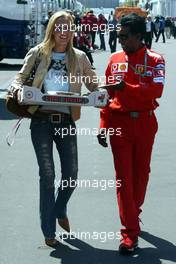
17 95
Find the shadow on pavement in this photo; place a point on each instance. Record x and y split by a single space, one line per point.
4 113
10 67
86 254
163 249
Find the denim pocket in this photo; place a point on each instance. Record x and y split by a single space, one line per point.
35 122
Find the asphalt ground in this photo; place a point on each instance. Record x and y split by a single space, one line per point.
92 210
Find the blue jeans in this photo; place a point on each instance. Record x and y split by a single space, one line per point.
43 134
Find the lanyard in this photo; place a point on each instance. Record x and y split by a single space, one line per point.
136 70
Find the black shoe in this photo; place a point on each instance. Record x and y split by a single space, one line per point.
52 242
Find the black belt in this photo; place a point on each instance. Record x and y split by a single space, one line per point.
140 114
134 114
55 118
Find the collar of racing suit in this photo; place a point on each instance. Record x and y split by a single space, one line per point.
131 57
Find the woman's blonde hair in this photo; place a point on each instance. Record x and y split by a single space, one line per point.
48 43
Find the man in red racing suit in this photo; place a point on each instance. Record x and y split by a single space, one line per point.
131 109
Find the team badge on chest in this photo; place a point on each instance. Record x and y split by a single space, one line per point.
140 69
119 67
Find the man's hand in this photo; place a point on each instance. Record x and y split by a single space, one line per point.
102 140
119 86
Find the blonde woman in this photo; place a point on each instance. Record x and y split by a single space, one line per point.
58 61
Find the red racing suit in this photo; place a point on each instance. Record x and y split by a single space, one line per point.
131 111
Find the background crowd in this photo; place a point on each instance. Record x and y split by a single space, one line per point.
90 27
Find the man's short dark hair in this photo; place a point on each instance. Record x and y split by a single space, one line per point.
135 23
